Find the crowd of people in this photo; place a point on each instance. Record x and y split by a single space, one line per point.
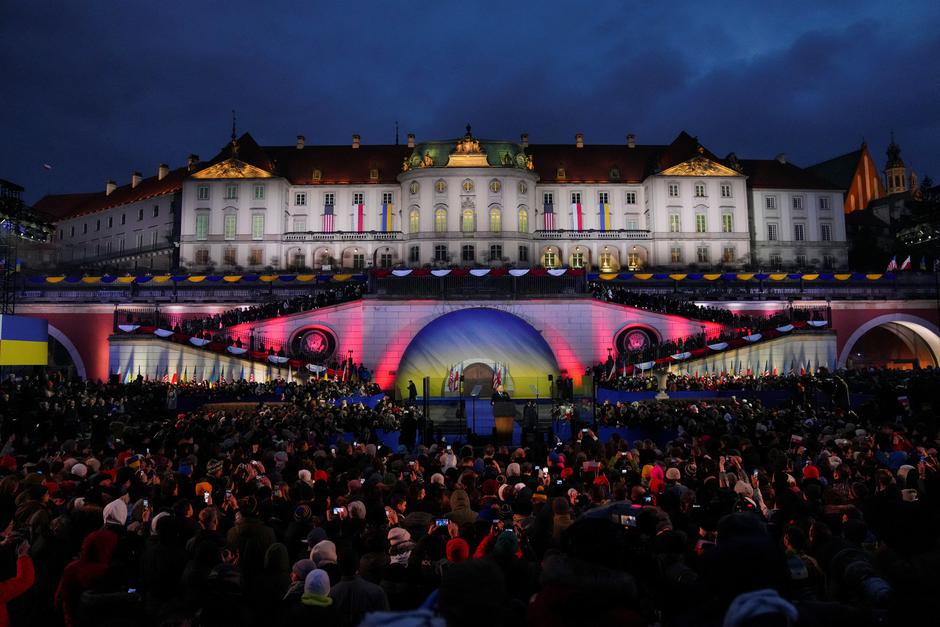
115 509
681 305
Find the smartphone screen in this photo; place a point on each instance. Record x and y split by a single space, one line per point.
442 522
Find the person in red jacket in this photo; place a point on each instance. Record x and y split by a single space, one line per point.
20 583
85 572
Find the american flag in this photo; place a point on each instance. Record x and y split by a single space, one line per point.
549 217
328 218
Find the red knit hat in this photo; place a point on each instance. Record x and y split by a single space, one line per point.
566 472
810 472
657 486
320 475
457 550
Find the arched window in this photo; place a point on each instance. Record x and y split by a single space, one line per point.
496 219
440 220
467 222
414 220
523 220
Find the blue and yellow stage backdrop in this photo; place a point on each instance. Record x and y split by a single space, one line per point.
508 345
24 341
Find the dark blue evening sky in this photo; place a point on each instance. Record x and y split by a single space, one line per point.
100 89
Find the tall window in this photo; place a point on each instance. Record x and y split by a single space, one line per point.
823 202
524 254
798 233
202 257
675 254
577 259
801 261
329 198
603 197
202 192
230 256
386 260
467 253
257 226
255 256
496 252
675 223
357 198
550 258
632 221
700 190
440 253
523 220
123 219
673 189
727 223
156 211
829 262
496 220
202 226
414 254
229 225
140 214
359 261
154 237
575 197
727 255
387 197
631 198
467 221
440 220
259 192
299 224
140 241
772 232
825 232
98 224
414 220
770 202
231 192
726 190
300 199
702 254
701 223
548 198
797 202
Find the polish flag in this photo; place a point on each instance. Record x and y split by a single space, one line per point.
577 216
907 263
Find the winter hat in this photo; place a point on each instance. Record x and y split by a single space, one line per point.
316 535
457 550
748 607
80 470
673 474
506 543
213 466
93 464
133 462
323 552
810 472
304 475
357 510
743 488
115 513
202 487
320 475
302 568
397 535
317 582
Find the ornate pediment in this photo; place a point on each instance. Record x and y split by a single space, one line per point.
232 169
699 166
468 153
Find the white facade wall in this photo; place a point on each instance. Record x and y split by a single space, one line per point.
792 208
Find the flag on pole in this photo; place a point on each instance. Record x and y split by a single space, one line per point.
497 376
222 375
549 216
176 378
605 216
577 216
387 216
251 376
328 218
907 263
359 217
242 376
166 376
923 264
892 265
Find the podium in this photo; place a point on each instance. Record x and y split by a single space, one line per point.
504 415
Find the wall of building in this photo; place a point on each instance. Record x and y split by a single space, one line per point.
781 355
786 250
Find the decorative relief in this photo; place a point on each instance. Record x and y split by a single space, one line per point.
698 166
232 169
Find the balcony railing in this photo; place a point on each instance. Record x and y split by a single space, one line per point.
342 236
619 234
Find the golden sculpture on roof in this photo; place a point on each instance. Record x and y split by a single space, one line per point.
699 166
232 169
467 153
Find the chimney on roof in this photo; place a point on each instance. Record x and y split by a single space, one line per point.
355 142
109 187
300 142
192 161
162 170
136 179
411 140
781 158
579 140
631 140
524 140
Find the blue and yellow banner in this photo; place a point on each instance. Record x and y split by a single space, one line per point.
386 217
605 216
24 341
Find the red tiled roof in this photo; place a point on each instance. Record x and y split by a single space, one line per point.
593 162
771 174
339 164
65 206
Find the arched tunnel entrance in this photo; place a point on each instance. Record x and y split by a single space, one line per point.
892 341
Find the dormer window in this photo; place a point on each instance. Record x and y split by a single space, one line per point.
560 173
615 173
374 174
317 175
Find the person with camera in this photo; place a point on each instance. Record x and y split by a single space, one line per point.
19 583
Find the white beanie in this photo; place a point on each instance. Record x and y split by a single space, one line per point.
115 513
80 470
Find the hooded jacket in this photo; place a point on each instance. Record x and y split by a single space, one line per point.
85 572
460 508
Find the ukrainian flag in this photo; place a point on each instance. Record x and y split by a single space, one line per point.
605 216
386 217
24 341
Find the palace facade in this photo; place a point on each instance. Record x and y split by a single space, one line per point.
465 201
